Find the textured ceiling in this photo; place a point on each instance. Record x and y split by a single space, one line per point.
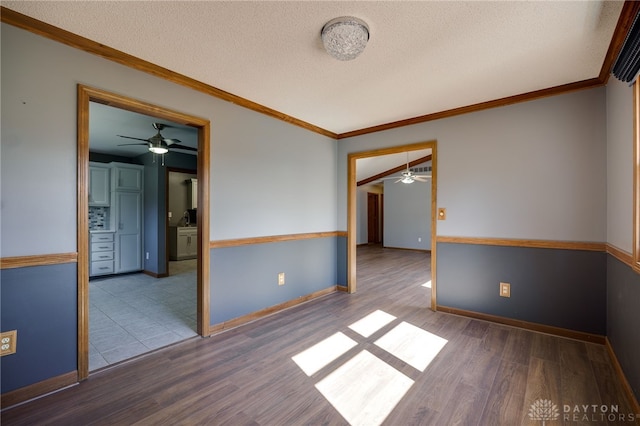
423 57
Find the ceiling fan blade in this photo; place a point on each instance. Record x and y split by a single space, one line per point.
186 148
138 139
169 141
127 144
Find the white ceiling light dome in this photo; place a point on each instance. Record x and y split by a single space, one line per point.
345 38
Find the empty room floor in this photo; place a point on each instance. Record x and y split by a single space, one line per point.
133 314
379 356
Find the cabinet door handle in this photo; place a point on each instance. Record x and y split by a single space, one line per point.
103 268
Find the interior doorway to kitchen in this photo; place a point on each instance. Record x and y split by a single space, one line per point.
87 96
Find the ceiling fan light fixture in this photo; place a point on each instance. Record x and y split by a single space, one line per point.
157 149
407 179
345 38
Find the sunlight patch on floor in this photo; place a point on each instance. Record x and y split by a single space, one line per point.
365 389
413 345
322 353
427 284
371 323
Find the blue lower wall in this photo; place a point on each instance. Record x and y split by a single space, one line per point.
623 318
39 302
579 290
342 261
561 288
244 279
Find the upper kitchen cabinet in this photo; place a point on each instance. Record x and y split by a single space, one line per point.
126 177
99 178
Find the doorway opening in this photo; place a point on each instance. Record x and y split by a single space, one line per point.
352 208
86 96
375 209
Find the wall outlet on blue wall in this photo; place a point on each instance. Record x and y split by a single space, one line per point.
505 289
281 278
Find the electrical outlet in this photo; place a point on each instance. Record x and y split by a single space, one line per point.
147 256
505 289
419 239
8 342
170 215
281 278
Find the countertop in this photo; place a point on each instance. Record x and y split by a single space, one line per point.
101 231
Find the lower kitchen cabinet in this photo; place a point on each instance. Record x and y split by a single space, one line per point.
101 256
183 243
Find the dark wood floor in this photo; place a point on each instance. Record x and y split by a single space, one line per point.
486 374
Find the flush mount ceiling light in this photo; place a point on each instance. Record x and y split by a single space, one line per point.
345 38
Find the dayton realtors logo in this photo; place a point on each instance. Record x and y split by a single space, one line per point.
545 410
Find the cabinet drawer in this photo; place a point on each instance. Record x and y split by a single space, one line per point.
102 267
101 255
101 247
102 238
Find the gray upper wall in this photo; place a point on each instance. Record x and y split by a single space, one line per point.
539 169
619 164
268 177
533 170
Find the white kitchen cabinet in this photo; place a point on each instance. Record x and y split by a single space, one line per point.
183 242
126 177
126 206
193 193
99 179
102 254
128 227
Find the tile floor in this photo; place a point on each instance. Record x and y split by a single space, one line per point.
136 313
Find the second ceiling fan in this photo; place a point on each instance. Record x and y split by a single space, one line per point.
408 176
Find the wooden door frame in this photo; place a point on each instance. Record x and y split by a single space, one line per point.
352 208
85 96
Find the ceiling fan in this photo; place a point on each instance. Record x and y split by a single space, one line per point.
409 177
158 144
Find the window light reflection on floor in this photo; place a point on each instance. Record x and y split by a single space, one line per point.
322 353
427 284
413 345
365 389
371 323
